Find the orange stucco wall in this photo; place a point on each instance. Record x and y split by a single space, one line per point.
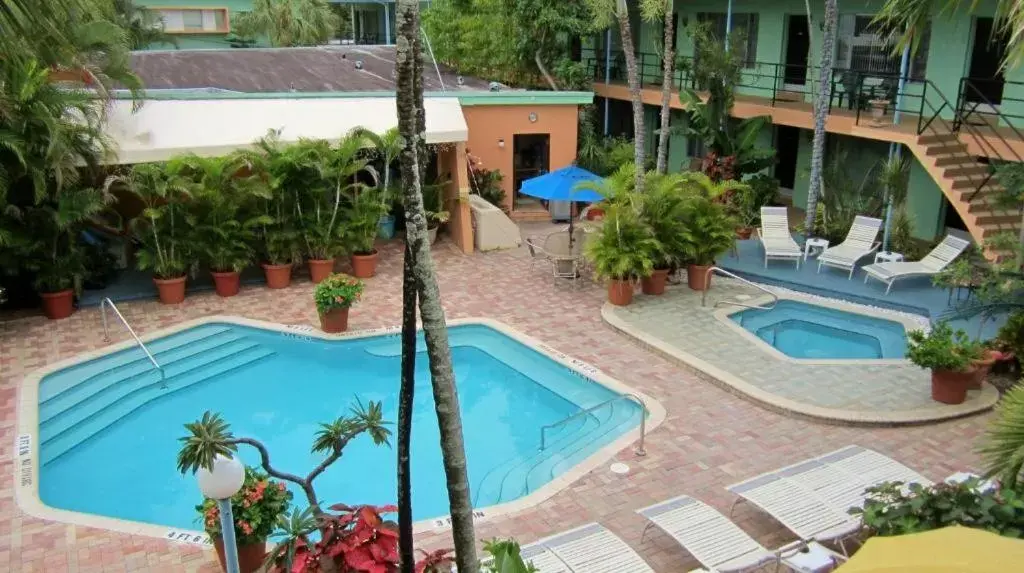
490 123
451 163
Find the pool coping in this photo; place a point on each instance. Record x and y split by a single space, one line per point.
902 318
26 451
737 386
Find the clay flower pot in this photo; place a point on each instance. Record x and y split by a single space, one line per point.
226 284
319 269
620 292
250 557
365 266
982 368
744 232
334 320
696 277
58 305
654 284
278 276
170 291
950 386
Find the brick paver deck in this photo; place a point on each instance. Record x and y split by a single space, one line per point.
709 439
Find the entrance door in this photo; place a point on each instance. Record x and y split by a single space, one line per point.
984 72
797 45
530 158
787 144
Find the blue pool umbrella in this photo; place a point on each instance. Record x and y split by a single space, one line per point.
562 185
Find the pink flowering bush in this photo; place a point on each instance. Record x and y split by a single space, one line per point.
337 291
256 508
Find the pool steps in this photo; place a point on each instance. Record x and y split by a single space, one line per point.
107 400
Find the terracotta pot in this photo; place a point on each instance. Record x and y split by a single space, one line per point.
278 276
319 269
949 386
334 320
595 214
171 291
696 275
250 557
620 292
58 305
364 266
744 232
654 284
982 368
226 284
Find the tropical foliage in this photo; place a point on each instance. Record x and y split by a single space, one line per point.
257 508
337 291
287 23
1003 445
625 248
942 348
708 231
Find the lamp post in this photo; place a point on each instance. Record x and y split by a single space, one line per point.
220 483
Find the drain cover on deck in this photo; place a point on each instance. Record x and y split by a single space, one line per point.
620 468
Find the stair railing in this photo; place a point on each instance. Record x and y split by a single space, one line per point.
707 277
640 451
107 303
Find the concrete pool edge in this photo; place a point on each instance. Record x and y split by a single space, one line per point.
26 454
735 385
905 319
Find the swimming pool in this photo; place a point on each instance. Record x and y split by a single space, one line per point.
809 331
108 433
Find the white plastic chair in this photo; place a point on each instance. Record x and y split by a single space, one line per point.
941 256
587 549
860 242
775 237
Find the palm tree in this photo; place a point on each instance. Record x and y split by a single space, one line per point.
821 114
908 17
289 23
662 10
409 92
142 25
1003 446
605 11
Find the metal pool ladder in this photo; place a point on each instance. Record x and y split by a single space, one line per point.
106 337
707 277
640 451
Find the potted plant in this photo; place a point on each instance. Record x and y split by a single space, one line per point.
334 296
367 207
162 229
623 251
256 508
281 246
747 200
708 231
433 205
950 356
662 208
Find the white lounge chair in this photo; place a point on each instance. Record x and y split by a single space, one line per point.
587 549
859 243
775 237
708 535
950 248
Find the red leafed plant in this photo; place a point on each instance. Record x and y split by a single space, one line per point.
719 168
435 561
354 539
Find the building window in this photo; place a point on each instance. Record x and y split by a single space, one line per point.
745 24
862 47
194 20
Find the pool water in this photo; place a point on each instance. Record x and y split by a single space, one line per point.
809 331
109 432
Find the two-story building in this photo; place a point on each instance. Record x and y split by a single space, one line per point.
955 110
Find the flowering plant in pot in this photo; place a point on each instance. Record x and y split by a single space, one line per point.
623 251
334 296
256 508
367 206
950 355
708 231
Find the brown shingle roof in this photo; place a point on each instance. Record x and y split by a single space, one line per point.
317 69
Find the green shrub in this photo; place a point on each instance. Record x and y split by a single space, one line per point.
708 232
337 291
625 247
943 349
1011 334
889 510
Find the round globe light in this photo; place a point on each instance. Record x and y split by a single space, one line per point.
224 481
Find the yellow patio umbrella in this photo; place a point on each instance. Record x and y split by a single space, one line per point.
948 550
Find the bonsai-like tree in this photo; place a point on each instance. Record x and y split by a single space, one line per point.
210 436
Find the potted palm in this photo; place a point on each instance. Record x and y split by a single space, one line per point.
281 250
662 208
256 507
623 252
162 229
433 205
367 207
334 296
708 231
950 355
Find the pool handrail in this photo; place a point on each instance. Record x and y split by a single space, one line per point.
640 451
106 302
707 278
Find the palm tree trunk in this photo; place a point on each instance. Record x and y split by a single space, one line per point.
639 145
409 91
406 394
820 115
668 65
